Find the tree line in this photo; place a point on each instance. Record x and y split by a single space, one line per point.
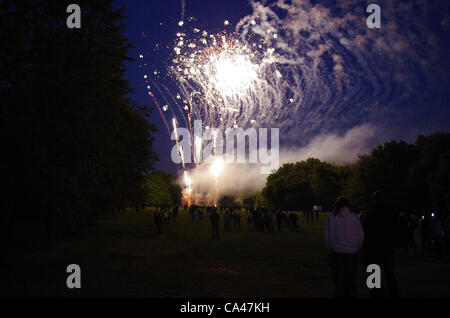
415 178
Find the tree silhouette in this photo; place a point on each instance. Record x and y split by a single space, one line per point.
73 142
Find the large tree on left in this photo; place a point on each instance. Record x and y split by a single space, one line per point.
73 143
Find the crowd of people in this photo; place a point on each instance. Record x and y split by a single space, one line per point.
368 238
258 220
269 220
433 230
163 215
373 238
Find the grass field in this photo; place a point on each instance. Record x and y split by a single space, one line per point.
123 257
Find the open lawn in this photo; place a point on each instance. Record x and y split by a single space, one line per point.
123 257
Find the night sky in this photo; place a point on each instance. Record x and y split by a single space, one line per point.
393 80
144 17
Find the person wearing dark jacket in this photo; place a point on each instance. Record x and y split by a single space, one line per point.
215 220
157 219
378 246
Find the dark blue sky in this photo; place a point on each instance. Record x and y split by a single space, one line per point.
395 78
145 17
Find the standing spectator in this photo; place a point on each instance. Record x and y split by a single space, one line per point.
362 216
157 219
343 236
447 234
279 220
438 236
412 231
403 230
195 213
271 221
250 222
175 212
297 223
426 234
215 221
235 219
238 220
308 215
288 220
292 221
378 248
227 220
267 220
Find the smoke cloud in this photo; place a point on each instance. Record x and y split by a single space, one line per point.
240 179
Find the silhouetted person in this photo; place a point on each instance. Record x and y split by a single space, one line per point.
195 213
157 219
250 222
311 215
362 216
446 223
279 220
284 217
297 223
288 221
438 235
378 247
235 219
343 236
215 221
403 230
167 215
292 221
426 234
413 225
175 212
227 221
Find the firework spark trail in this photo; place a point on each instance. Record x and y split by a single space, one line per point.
187 181
214 142
183 9
216 168
235 80
332 61
160 112
216 103
173 100
164 96
309 72
198 148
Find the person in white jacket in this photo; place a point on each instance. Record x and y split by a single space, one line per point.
343 236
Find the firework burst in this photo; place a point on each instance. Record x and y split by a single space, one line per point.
222 79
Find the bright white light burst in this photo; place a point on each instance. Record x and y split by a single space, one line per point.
232 73
217 167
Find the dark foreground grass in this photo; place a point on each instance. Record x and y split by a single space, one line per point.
123 257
